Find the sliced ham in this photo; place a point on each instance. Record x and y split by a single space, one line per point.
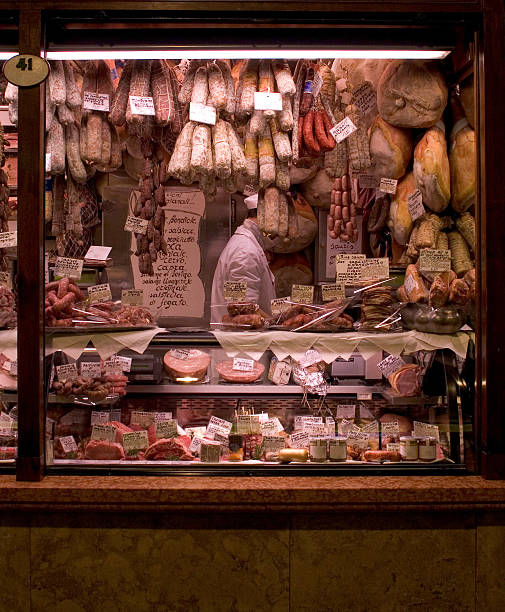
195 366
169 449
226 371
407 380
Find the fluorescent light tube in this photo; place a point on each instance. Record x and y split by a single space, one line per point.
249 54
5 55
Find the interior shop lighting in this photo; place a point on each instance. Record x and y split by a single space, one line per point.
191 53
5 55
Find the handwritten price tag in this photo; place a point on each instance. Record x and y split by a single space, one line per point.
68 444
390 365
332 292
368 181
8 239
100 293
388 185
243 365
234 291
132 297
135 224
343 129
91 369
142 105
67 372
415 204
66 266
303 294
348 267
96 101
435 260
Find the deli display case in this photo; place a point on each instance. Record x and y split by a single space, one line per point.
262 256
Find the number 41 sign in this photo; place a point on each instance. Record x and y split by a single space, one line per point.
26 70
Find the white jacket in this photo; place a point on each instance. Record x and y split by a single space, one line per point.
243 259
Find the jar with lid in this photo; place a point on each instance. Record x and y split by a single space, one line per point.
338 449
317 449
408 448
427 448
236 444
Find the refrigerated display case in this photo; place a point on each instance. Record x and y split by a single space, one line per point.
403 249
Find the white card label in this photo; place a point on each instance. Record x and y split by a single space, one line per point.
68 444
8 239
163 416
336 291
98 253
201 113
100 293
388 185
234 291
393 447
271 426
435 260
124 362
98 417
165 429
390 429
368 181
279 305
415 204
103 432
390 365
348 267
302 294
66 266
281 373
217 425
142 105
343 129
243 365
136 224
301 420
426 429
67 372
96 101
358 438
142 419
111 366
132 297
91 369
135 441
346 411
375 268
299 439
267 100
345 427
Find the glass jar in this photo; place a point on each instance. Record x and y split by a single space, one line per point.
408 448
236 444
317 449
338 449
427 448
210 451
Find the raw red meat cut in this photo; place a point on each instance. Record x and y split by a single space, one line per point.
121 428
169 449
226 371
195 366
102 449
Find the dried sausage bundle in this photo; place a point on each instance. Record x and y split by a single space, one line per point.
342 216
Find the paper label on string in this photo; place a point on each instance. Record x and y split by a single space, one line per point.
142 105
435 260
201 113
317 83
426 429
132 297
8 239
135 441
374 269
235 291
300 439
335 291
243 365
267 100
68 444
303 294
91 369
180 353
66 266
343 129
98 253
348 267
281 373
415 204
67 372
100 293
98 416
165 429
280 305
96 101
365 98
388 185
391 429
103 432
368 181
346 411
390 365
136 225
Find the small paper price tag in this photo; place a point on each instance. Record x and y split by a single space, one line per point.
180 353
124 362
218 425
111 366
98 417
132 297
435 260
271 427
317 83
388 185
201 113
67 372
358 438
343 129
371 428
303 294
142 419
410 284
135 441
345 427
96 101
66 266
391 429
426 429
389 365
8 239
103 432
165 429
195 445
136 225
301 420
48 163
273 443
267 100
393 447
368 181
68 444
243 365
98 253
299 439
91 369
415 204
234 291
142 105
348 267
336 291
163 416
279 305
365 98
346 411
100 293
281 373
315 429
375 268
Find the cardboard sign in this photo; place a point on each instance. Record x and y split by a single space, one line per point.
96 101
132 297
435 260
142 105
267 100
343 129
201 113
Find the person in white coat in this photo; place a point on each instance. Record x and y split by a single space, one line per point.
244 259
